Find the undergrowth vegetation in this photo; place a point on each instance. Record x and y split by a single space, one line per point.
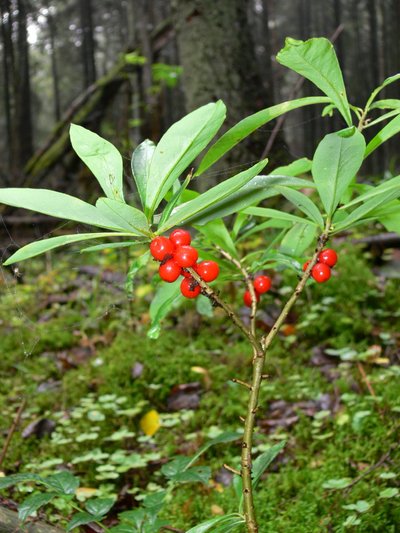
75 346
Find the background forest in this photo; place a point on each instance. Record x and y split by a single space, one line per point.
88 388
128 69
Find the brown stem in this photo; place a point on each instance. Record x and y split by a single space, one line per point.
258 365
249 283
210 293
259 349
11 431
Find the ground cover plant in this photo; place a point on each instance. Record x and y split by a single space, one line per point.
334 203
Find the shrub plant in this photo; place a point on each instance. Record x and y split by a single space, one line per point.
224 218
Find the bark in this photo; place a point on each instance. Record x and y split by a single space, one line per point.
218 59
88 43
54 67
23 104
9 523
9 81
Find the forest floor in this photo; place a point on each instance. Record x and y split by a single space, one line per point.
74 347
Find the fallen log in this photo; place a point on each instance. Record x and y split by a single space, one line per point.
10 523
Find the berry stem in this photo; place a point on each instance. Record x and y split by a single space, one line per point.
260 347
258 365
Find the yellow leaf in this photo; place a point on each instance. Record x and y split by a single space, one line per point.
150 423
85 492
216 509
205 374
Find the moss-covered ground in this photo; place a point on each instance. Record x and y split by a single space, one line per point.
73 345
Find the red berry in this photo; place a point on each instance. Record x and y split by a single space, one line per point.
247 298
305 266
190 288
160 247
321 272
208 270
262 284
180 237
187 274
186 256
328 257
169 271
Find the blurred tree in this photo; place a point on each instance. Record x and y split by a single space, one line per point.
88 43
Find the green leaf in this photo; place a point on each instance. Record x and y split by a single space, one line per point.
204 306
166 298
295 168
392 184
140 163
216 233
383 135
99 506
31 504
390 492
336 161
39 247
175 200
196 474
56 204
361 506
176 466
178 147
15 479
110 245
80 519
136 265
260 465
226 436
194 209
390 103
391 222
101 157
124 215
263 461
250 124
62 483
298 239
316 60
337 484
232 520
274 214
304 203
367 208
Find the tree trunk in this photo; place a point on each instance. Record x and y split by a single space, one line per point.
23 104
88 43
218 59
9 81
54 67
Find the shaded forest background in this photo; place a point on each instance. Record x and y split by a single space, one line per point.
128 69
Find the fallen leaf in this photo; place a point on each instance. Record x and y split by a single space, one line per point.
205 373
184 396
216 509
150 423
85 492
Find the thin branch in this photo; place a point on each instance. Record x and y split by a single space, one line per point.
249 282
373 467
279 123
210 293
11 431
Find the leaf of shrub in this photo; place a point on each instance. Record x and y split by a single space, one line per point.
31 504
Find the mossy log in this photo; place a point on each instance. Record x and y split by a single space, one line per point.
10 523
95 99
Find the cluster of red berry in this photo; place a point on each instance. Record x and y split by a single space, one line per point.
176 255
321 271
261 285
